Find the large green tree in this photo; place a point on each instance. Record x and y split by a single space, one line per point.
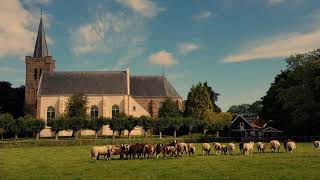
11 99
213 97
169 109
77 106
293 101
199 103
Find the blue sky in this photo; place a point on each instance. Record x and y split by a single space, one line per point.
237 46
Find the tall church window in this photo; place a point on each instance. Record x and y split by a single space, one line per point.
51 113
115 110
35 74
94 113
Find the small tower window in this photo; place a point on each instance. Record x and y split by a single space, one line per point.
40 73
134 108
35 75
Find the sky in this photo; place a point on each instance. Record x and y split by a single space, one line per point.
237 46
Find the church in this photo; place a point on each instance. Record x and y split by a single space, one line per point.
108 92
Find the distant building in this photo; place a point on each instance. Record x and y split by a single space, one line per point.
252 127
108 92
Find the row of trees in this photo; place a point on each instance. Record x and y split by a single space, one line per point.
20 126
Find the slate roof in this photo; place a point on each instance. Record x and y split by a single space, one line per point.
104 82
41 49
97 82
151 86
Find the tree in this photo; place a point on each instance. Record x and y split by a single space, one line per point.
77 106
11 99
169 109
175 124
242 109
293 100
16 126
5 120
77 124
147 123
36 126
204 124
58 124
117 123
97 123
213 97
190 123
161 125
129 124
198 104
220 121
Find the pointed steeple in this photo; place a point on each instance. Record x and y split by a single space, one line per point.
41 50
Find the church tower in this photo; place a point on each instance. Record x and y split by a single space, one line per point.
35 65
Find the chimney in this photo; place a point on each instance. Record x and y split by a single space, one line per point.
128 80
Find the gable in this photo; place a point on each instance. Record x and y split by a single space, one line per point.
239 119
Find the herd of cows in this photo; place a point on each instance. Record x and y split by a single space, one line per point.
141 150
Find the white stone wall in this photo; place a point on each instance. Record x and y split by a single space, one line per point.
104 103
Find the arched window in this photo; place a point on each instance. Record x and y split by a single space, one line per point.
51 113
115 110
94 113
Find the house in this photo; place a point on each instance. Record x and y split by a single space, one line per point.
252 127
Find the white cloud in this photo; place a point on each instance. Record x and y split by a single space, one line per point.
202 15
282 45
146 8
162 57
17 35
185 48
109 32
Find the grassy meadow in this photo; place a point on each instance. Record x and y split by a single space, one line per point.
73 162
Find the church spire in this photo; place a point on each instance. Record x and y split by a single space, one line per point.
40 49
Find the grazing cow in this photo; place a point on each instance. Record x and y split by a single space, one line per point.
96 151
217 147
241 147
182 148
316 144
121 150
191 149
291 146
261 146
206 148
275 146
158 149
248 148
231 147
136 149
224 149
149 149
170 150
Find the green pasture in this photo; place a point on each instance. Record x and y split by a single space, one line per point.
73 162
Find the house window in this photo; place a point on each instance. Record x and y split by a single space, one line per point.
94 113
51 113
134 108
35 74
115 110
241 125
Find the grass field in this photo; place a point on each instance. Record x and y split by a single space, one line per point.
74 162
